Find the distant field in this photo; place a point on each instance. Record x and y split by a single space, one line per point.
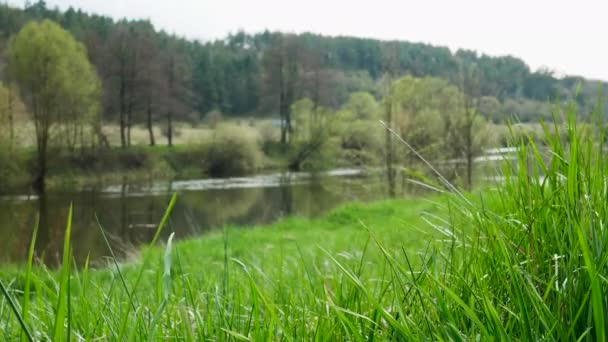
183 134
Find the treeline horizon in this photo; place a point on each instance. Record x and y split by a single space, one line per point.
149 76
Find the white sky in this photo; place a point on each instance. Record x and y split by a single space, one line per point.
569 37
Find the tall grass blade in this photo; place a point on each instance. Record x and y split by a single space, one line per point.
166 288
144 265
62 305
13 306
28 272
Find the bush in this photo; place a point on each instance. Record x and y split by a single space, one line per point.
233 151
268 132
363 135
213 118
13 169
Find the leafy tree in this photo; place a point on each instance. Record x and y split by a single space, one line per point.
419 106
314 136
363 106
361 131
490 108
56 80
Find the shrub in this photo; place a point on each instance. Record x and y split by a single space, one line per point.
363 135
213 118
13 169
268 132
234 150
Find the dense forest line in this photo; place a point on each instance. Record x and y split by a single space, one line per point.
150 76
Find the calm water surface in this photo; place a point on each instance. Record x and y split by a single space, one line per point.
130 213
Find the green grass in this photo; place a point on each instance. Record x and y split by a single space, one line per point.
246 281
526 261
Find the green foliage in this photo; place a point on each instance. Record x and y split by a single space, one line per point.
58 84
422 106
525 110
13 167
362 135
315 140
490 108
233 151
363 106
53 72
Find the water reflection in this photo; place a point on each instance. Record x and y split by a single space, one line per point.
130 213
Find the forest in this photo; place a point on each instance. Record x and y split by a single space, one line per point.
146 72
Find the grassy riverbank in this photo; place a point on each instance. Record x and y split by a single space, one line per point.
524 261
234 280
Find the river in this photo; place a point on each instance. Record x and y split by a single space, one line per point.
130 213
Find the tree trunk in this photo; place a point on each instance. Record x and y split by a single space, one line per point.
129 119
282 113
40 180
123 140
171 80
169 128
390 170
150 130
10 118
469 153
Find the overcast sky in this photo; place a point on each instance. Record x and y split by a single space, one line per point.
569 37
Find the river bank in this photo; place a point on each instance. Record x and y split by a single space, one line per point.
230 272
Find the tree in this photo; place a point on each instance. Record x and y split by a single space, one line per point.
317 81
390 67
53 75
420 106
315 128
467 126
177 94
153 85
126 70
281 77
119 74
362 105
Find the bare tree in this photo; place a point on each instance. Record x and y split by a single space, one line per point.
152 83
119 45
318 83
176 87
391 60
470 86
281 64
125 47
